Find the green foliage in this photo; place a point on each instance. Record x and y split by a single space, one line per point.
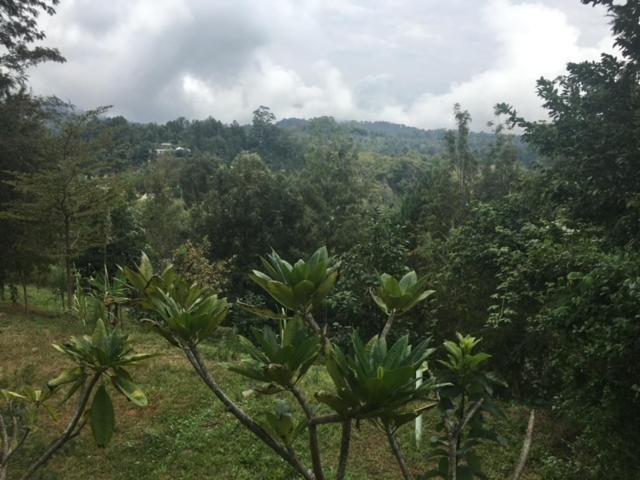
465 398
279 359
301 286
188 319
185 314
383 247
19 29
378 383
282 424
191 261
397 297
248 209
105 354
105 351
103 419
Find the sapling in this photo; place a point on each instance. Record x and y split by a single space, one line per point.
101 364
372 383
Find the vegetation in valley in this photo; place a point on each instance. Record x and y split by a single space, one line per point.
526 304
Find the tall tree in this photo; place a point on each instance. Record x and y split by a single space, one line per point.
249 210
593 139
65 203
335 194
459 151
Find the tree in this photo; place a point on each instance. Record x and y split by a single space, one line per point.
502 170
459 151
100 360
334 193
22 149
18 30
249 209
275 146
65 203
592 141
372 381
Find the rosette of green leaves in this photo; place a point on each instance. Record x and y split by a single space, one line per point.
183 313
300 286
398 296
102 356
186 318
465 371
279 360
379 383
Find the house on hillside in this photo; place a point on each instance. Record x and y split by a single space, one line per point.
168 148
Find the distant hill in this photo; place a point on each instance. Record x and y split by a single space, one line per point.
388 138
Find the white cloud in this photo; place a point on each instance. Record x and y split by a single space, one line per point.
535 40
406 61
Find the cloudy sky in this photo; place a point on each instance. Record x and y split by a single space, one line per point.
405 61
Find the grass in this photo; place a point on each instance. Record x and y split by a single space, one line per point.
185 432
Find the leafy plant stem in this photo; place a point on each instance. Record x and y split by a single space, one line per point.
73 428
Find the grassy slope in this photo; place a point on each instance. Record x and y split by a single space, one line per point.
185 433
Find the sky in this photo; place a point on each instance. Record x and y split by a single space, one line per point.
403 61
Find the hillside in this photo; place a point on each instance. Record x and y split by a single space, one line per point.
392 139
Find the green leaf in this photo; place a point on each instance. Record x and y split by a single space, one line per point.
102 417
68 376
124 383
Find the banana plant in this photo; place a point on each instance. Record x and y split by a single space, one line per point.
378 383
279 360
298 287
464 402
395 297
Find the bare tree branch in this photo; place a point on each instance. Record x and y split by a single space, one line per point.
344 450
200 367
314 446
69 432
526 447
397 452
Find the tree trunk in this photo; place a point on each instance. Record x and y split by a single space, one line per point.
67 260
24 295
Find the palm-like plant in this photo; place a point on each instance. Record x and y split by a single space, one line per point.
463 402
378 383
184 313
186 320
300 286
